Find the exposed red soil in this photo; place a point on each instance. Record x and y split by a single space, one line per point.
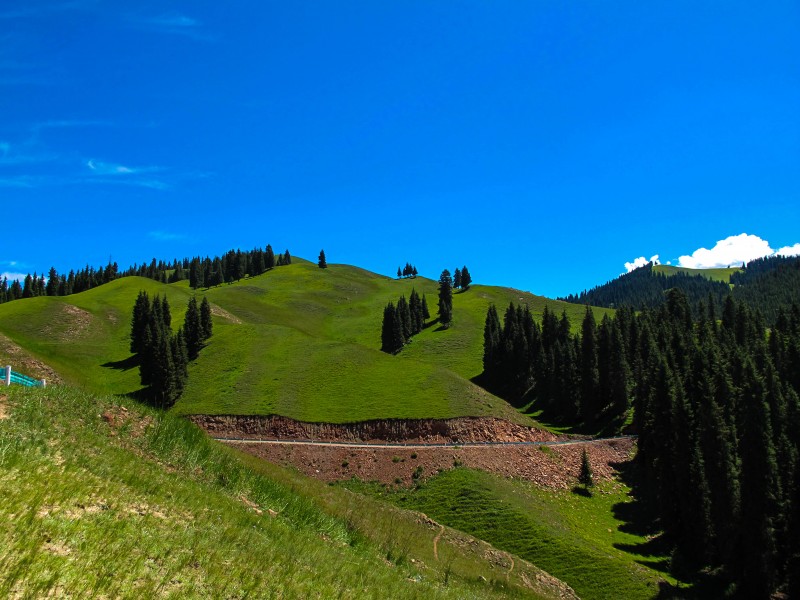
550 466
419 431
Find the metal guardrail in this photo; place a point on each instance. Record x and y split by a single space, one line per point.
10 376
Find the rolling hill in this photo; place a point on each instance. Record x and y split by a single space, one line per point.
297 341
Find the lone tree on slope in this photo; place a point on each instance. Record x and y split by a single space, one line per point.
445 299
586 477
322 262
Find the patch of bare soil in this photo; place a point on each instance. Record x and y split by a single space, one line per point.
461 430
219 312
119 416
71 324
4 412
22 362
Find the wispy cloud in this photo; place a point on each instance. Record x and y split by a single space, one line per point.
12 276
166 236
113 173
173 23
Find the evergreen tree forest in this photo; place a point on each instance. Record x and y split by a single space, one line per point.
765 284
714 400
403 321
201 272
164 356
645 288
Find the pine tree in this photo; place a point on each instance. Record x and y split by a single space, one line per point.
387 332
445 299
206 325
404 313
322 263
269 257
287 259
491 344
466 278
586 476
139 321
193 329
589 370
457 278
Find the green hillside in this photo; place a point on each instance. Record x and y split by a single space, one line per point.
103 498
297 341
722 274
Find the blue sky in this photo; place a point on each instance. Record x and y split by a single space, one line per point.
543 144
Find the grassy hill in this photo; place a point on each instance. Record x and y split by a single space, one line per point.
722 274
298 341
105 498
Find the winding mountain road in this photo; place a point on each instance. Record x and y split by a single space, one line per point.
239 440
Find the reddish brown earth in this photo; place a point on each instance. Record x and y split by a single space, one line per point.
551 466
421 431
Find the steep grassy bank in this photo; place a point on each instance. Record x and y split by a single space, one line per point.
104 498
581 540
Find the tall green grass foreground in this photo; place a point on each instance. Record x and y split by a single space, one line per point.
102 498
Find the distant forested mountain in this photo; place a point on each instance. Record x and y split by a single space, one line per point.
765 285
644 288
769 284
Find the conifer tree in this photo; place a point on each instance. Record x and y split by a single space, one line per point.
139 322
193 329
206 325
589 371
287 259
445 299
457 278
466 278
404 314
586 476
269 257
322 263
491 344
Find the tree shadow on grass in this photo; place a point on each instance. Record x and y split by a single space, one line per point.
123 365
582 491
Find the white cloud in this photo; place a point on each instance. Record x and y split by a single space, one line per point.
640 262
102 168
733 250
789 250
166 236
12 276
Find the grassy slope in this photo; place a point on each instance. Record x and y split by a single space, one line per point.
146 506
576 538
299 341
723 274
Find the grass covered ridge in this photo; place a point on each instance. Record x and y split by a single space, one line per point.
297 341
142 504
